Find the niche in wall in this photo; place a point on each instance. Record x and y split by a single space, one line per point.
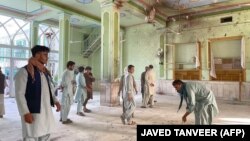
225 59
187 61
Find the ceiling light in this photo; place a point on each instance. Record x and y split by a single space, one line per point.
84 1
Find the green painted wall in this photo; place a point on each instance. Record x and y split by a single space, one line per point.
209 27
76 47
95 63
140 48
232 47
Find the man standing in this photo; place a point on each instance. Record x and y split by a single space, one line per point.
67 91
199 99
89 80
128 97
149 87
3 84
80 90
35 96
125 72
143 82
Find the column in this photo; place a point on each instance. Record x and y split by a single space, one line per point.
110 60
34 33
64 27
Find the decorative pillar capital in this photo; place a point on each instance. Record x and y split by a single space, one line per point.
64 16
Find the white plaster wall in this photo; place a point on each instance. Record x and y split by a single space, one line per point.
223 90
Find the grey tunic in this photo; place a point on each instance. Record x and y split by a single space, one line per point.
201 101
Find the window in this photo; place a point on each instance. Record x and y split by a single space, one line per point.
14 46
49 36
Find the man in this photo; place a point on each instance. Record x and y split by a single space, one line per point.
3 84
125 72
80 90
199 99
66 85
143 82
35 96
89 80
128 97
150 85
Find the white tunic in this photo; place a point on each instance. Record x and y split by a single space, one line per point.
44 122
66 83
150 79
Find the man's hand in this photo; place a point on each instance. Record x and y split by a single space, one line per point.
73 82
58 106
61 88
28 118
88 89
184 119
129 97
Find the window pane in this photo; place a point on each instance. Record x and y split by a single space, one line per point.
20 53
21 40
53 56
53 68
18 64
12 28
49 36
5 52
26 30
40 32
55 30
43 27
3 19
4 37
20 22
54 44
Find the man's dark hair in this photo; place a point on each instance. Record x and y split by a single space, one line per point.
81 69
177 82
38 48
88 68
70 63
130 66
151 66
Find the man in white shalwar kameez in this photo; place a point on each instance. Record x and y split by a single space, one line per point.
125 73
35 96
199 99
128 97
149 88
81 91
66 85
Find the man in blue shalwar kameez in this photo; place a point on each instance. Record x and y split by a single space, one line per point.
199 99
